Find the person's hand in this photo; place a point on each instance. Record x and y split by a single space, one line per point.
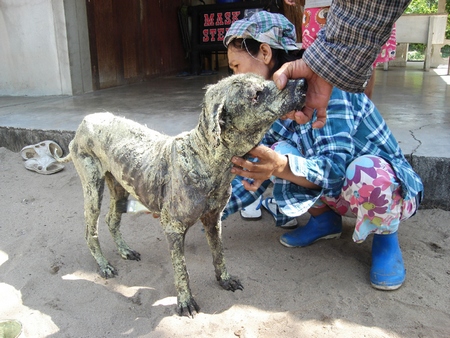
317 95
270 163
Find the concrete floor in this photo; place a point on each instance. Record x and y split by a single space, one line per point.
414 103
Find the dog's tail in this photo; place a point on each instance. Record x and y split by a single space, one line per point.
65 159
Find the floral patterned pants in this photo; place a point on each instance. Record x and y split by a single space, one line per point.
372 194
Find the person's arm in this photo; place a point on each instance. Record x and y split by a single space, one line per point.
342 54
269 163
347 46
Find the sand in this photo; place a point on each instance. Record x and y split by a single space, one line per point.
49 280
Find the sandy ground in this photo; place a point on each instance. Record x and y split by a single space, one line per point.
49 281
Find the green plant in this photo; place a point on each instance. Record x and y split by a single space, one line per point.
414 55
423 6
427 7
445 51
447 9
419 47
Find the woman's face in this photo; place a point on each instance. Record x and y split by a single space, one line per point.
240 62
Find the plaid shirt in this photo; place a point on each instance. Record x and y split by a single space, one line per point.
347 46
354 128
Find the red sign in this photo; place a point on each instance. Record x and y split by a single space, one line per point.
216 24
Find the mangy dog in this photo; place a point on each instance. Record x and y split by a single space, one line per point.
185 178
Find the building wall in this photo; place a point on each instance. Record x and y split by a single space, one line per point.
47 47
34 58
78 42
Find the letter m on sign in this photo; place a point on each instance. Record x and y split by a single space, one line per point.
208 20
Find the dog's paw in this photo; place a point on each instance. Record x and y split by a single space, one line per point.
108 271
188 308
130 254
231 284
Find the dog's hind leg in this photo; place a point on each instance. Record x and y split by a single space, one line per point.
213 230
93 183
119 197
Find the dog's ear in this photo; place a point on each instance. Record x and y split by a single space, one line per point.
217 122
212 119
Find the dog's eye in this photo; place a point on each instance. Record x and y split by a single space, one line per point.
256 97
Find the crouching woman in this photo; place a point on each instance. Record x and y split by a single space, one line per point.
353 166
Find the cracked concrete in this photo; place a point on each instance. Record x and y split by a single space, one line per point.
414 103
418 142
416 106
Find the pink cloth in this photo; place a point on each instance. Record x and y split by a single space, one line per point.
315 18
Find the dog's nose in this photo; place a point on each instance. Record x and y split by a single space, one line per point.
298 84
297 87
302 85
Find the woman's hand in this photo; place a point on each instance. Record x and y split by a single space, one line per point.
270 164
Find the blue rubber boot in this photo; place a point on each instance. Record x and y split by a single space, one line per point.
325 226
388 271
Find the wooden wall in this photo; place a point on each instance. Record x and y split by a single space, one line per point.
131 40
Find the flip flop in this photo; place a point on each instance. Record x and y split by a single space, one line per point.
45 165
48 148
40 157
10 328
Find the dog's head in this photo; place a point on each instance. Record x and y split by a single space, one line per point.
238 110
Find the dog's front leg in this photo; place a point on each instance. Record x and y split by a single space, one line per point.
213 229
186 305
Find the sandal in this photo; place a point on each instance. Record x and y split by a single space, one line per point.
40 157
45 165
48 148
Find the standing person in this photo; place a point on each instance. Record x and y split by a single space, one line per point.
343 53
352 166
315 17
